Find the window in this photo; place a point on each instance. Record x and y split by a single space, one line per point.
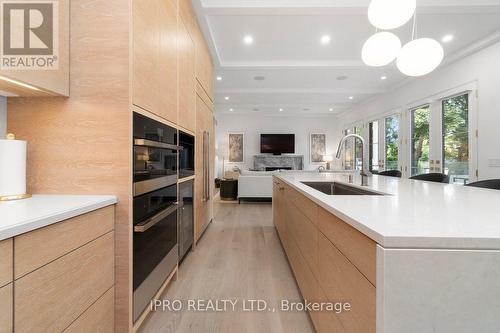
420 145
373 146
348 151
456 138
391 142
358 148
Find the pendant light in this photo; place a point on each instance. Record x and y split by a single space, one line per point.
391 14
420 56
381 49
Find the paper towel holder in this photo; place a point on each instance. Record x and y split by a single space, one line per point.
11 136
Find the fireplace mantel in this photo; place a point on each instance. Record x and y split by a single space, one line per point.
296 162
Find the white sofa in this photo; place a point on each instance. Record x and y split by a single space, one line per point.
255 185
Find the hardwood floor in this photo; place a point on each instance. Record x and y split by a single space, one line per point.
239 258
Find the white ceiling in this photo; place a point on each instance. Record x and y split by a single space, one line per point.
301 74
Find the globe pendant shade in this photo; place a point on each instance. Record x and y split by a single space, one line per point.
420 57
380 49
391 14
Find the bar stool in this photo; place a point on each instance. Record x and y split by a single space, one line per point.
390 173
493 184
433 177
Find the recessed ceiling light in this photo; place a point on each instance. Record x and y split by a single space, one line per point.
341 78
226 98
447 38
325 39
351 97
219 78
383 77
259 78
281 110
248 40
330 109
231 110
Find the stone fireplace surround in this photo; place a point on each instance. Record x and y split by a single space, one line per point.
293 162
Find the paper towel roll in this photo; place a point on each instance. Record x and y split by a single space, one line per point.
12 167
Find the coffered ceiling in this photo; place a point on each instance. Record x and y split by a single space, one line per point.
287 67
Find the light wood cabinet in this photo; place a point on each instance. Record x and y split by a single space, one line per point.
64 276
203 202
52 297
37 248
342 281
52 82
6 262
358 248
98 318
154 77
187 80
146 55
204 64
331 261
168 69
6 313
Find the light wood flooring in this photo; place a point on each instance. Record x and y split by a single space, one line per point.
239 257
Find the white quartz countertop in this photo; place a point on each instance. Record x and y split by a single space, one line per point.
413 214
20 216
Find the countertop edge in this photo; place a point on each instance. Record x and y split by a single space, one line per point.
16 230
404 242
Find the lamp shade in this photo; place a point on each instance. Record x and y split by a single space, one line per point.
420 57
391 14
327 158
381 49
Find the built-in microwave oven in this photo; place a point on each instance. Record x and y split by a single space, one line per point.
155 155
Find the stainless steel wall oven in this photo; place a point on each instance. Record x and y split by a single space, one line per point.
155 204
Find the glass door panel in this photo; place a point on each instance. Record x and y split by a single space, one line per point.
391 143
373 146
420 144
456 138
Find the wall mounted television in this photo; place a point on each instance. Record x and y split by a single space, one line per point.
277 144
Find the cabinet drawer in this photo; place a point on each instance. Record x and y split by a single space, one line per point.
304 204
6 268
305 235
358 248
6 309
98 318
52 297
305 279
341 281
326 321
37 248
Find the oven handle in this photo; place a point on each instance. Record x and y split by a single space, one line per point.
155 144
143 226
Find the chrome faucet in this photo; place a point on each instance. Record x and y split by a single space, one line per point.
364 176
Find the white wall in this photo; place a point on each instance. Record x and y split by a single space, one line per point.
483 68
254 125
3 117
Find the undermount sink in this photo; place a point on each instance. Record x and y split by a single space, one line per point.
334 188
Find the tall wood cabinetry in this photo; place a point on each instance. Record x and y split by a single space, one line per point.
141 55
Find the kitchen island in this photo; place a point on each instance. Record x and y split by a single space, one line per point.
57 264
410 256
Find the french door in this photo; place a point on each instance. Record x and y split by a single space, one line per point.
442 138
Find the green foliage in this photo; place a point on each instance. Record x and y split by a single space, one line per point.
391 142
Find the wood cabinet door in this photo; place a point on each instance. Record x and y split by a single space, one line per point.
187 80
6 311
204 65
146 55
204 124
168 66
